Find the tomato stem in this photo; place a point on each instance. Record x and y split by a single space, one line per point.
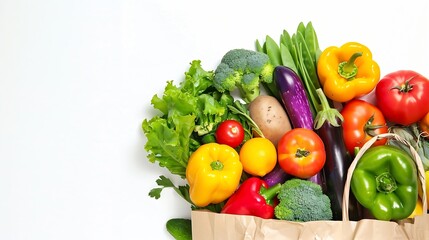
370 128
405 87
302 153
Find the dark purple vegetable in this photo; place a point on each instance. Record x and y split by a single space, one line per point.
277 175
338 161
298 109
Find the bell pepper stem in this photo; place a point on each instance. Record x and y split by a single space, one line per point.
270 193
348 69
216 165
386 183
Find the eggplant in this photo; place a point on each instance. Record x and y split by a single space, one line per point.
297 106
294 97
277 175
338 161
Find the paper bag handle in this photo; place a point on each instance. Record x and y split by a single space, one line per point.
365 147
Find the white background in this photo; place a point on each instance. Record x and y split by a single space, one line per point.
76 79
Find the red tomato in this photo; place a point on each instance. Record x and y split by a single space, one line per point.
301 153
403 96
230 132
362 121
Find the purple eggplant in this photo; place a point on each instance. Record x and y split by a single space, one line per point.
294 97
297 106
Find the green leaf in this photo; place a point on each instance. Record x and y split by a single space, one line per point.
312 42
308 61
287 58
273 51
301 28
286 40
259 47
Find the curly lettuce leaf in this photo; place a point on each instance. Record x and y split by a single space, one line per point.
169 145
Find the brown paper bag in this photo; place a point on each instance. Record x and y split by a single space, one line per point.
216 226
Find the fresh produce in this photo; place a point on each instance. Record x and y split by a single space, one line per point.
258 156
362 121
254 198
418 210
272 119
403 96
230 132
301 153
237 146
296 103
244 70
180 228
213 173
300 52
347 72
302 200
294 98
338 160
384 181
189 112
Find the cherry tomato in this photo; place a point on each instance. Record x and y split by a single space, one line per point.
230 132
301 153
258 156
362 121
403 96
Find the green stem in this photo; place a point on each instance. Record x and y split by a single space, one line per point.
302 153
216 165
386 183
348 69
270 193
332 115
370 129
406 87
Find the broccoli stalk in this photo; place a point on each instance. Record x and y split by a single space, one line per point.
244 70
302 200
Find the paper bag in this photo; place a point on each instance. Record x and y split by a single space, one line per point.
217 226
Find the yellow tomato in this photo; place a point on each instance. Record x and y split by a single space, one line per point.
418 210
258 156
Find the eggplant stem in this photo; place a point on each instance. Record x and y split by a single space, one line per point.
331 115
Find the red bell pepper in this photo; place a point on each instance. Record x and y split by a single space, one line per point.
253 197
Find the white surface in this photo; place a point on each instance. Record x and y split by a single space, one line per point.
76 79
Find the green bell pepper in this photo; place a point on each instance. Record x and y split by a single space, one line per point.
384 181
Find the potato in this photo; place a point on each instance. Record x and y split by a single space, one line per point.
270 116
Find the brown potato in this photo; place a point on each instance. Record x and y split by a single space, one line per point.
270 116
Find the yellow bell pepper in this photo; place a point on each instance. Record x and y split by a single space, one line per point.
213 173
347 72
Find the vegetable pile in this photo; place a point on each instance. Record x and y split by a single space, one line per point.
271 132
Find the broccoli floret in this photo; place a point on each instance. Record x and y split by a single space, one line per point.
302 200
244 70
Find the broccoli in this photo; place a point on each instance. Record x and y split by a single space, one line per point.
244 70
302 200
